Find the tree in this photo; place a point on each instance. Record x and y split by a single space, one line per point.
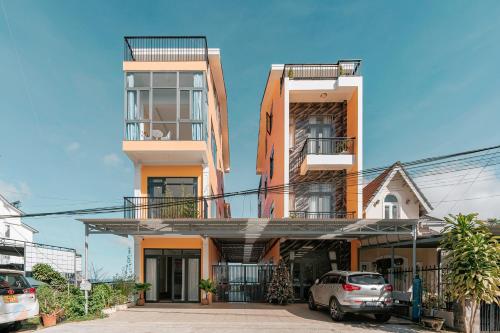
48 275
280 289
473 259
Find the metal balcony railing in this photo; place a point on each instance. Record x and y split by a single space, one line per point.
165 48
304 214
326 146
321 71
164 207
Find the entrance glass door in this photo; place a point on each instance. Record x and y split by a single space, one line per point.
151 277
178 279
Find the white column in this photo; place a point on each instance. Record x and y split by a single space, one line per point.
286 162
137 179
137 256
205 263
206 186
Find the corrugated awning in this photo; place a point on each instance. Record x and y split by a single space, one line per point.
253 227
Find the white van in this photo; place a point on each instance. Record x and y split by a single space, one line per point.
17 298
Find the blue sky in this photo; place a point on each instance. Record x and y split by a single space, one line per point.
430 72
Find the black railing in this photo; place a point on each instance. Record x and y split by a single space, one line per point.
164 207
242 283
321 71
165 48
304 214
326 146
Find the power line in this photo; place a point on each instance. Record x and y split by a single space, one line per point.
464 160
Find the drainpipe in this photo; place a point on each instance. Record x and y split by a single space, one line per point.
85 274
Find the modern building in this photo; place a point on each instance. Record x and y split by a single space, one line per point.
309 157
176 135
17 249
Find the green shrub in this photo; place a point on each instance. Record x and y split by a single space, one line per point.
74 307
51 300
46 274
100 298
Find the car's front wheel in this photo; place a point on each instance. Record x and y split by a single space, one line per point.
311 303
382 317
335 310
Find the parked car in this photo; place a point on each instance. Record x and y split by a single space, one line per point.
352 292
17 298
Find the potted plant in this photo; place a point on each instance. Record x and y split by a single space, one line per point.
51 304
208 287
141 289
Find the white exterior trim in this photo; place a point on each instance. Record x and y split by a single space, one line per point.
286 161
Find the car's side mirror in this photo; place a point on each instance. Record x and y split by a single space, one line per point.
316 281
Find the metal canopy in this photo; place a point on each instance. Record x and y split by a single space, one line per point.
252 227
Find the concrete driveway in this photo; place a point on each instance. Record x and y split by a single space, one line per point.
241 318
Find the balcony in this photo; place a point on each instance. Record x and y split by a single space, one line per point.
165 48
322 71
320 154
164 208
302 214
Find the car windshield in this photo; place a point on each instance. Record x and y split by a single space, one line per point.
12 280
367 279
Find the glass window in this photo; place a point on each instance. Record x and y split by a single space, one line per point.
164 131
271 163
164 105
144 105
163 80
184 105
186 80
367 279
391 207
214 148
135 80
153 251
12 280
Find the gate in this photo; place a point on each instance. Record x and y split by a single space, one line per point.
242 283
490 317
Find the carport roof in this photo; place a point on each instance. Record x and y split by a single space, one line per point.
252 227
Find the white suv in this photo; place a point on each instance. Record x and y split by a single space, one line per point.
17 298
352 292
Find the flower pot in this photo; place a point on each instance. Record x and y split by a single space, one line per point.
140 302
204 301
49 320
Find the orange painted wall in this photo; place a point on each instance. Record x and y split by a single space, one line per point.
355 244
276 138
273 254
194 243
213 256
352 131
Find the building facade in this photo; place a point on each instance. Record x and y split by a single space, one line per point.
17 249
176 135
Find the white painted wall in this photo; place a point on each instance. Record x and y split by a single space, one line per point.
408 201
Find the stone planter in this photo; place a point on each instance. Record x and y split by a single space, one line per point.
204 301
435 323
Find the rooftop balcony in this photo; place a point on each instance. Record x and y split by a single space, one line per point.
319 154
165 48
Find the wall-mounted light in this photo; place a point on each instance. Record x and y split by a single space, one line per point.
323 95
376 203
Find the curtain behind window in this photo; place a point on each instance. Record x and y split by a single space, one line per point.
197 110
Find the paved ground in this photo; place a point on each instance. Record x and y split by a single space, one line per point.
241 318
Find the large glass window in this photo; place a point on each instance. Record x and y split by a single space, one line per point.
214 148
165 106
321 200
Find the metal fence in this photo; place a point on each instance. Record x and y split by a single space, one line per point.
489 318
242 283
165 48
435 291
303 214
164 207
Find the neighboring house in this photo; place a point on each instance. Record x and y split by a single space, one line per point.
17 248
394 195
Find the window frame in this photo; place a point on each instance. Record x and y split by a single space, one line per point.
394 207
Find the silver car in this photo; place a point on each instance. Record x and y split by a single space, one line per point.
352 292
17 298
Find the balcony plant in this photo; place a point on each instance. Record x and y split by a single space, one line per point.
51 303
141 289
473 259
208 287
